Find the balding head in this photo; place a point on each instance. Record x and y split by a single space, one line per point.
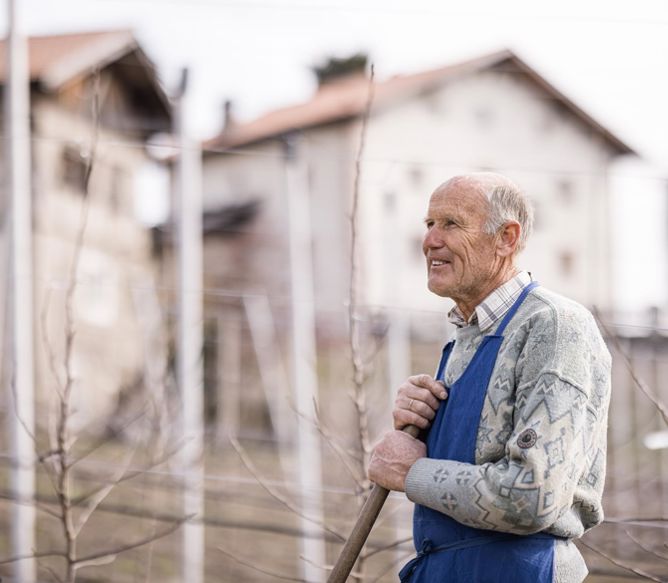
506 202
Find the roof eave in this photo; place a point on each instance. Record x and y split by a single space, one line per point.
154 80
223 144
83 62
227 143
618 145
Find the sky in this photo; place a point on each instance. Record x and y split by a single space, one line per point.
610 57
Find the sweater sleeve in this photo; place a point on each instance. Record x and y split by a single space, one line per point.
556 415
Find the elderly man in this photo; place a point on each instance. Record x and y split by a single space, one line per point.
514 421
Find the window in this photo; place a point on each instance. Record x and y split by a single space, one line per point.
566 263
74 169
434 101
416 176
566 191
390 202
484 116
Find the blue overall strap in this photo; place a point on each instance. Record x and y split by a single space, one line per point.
509 315
445 354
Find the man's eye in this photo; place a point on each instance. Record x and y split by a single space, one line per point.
443 224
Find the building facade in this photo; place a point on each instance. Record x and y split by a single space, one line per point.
492 113
95 102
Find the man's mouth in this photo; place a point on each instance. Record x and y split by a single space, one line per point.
438 262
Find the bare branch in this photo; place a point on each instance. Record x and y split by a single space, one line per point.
642 521
390 566
46 342
102 441
277 495
47 455
358 394
16 412
50 473
47 511
389 547
87 560
62 485
342 453
51 572
106 560
40 555
127 476
359 399
629 366
254 566
314 564
620 563
148 565
645 547
347 451
317 424
34 503
355 575
97 499
58 461
377 346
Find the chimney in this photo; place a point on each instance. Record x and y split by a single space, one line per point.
334 69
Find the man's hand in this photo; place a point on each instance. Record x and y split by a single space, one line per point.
417 401
392 457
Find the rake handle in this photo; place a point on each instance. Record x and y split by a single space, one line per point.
365 521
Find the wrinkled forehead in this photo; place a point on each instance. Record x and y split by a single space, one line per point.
482 182
463 193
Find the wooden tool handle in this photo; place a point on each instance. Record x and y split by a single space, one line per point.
365 521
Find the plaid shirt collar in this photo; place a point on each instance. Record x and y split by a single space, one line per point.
494 306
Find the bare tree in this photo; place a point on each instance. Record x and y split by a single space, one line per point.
354 458
74 509
608 548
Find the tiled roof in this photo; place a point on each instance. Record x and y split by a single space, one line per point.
55 59
347 98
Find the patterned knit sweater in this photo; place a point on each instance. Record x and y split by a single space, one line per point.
541 442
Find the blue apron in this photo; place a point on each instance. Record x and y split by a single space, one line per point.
449 551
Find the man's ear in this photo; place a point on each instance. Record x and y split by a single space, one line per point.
508 239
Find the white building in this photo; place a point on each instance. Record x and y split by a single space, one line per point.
69 75
491 113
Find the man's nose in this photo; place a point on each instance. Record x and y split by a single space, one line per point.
432 240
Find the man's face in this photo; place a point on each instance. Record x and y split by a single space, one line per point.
461 257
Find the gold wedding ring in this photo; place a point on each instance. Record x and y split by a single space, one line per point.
410 404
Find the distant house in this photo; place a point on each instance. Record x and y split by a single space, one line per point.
490 113
68 75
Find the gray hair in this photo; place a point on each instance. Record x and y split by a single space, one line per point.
506 201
